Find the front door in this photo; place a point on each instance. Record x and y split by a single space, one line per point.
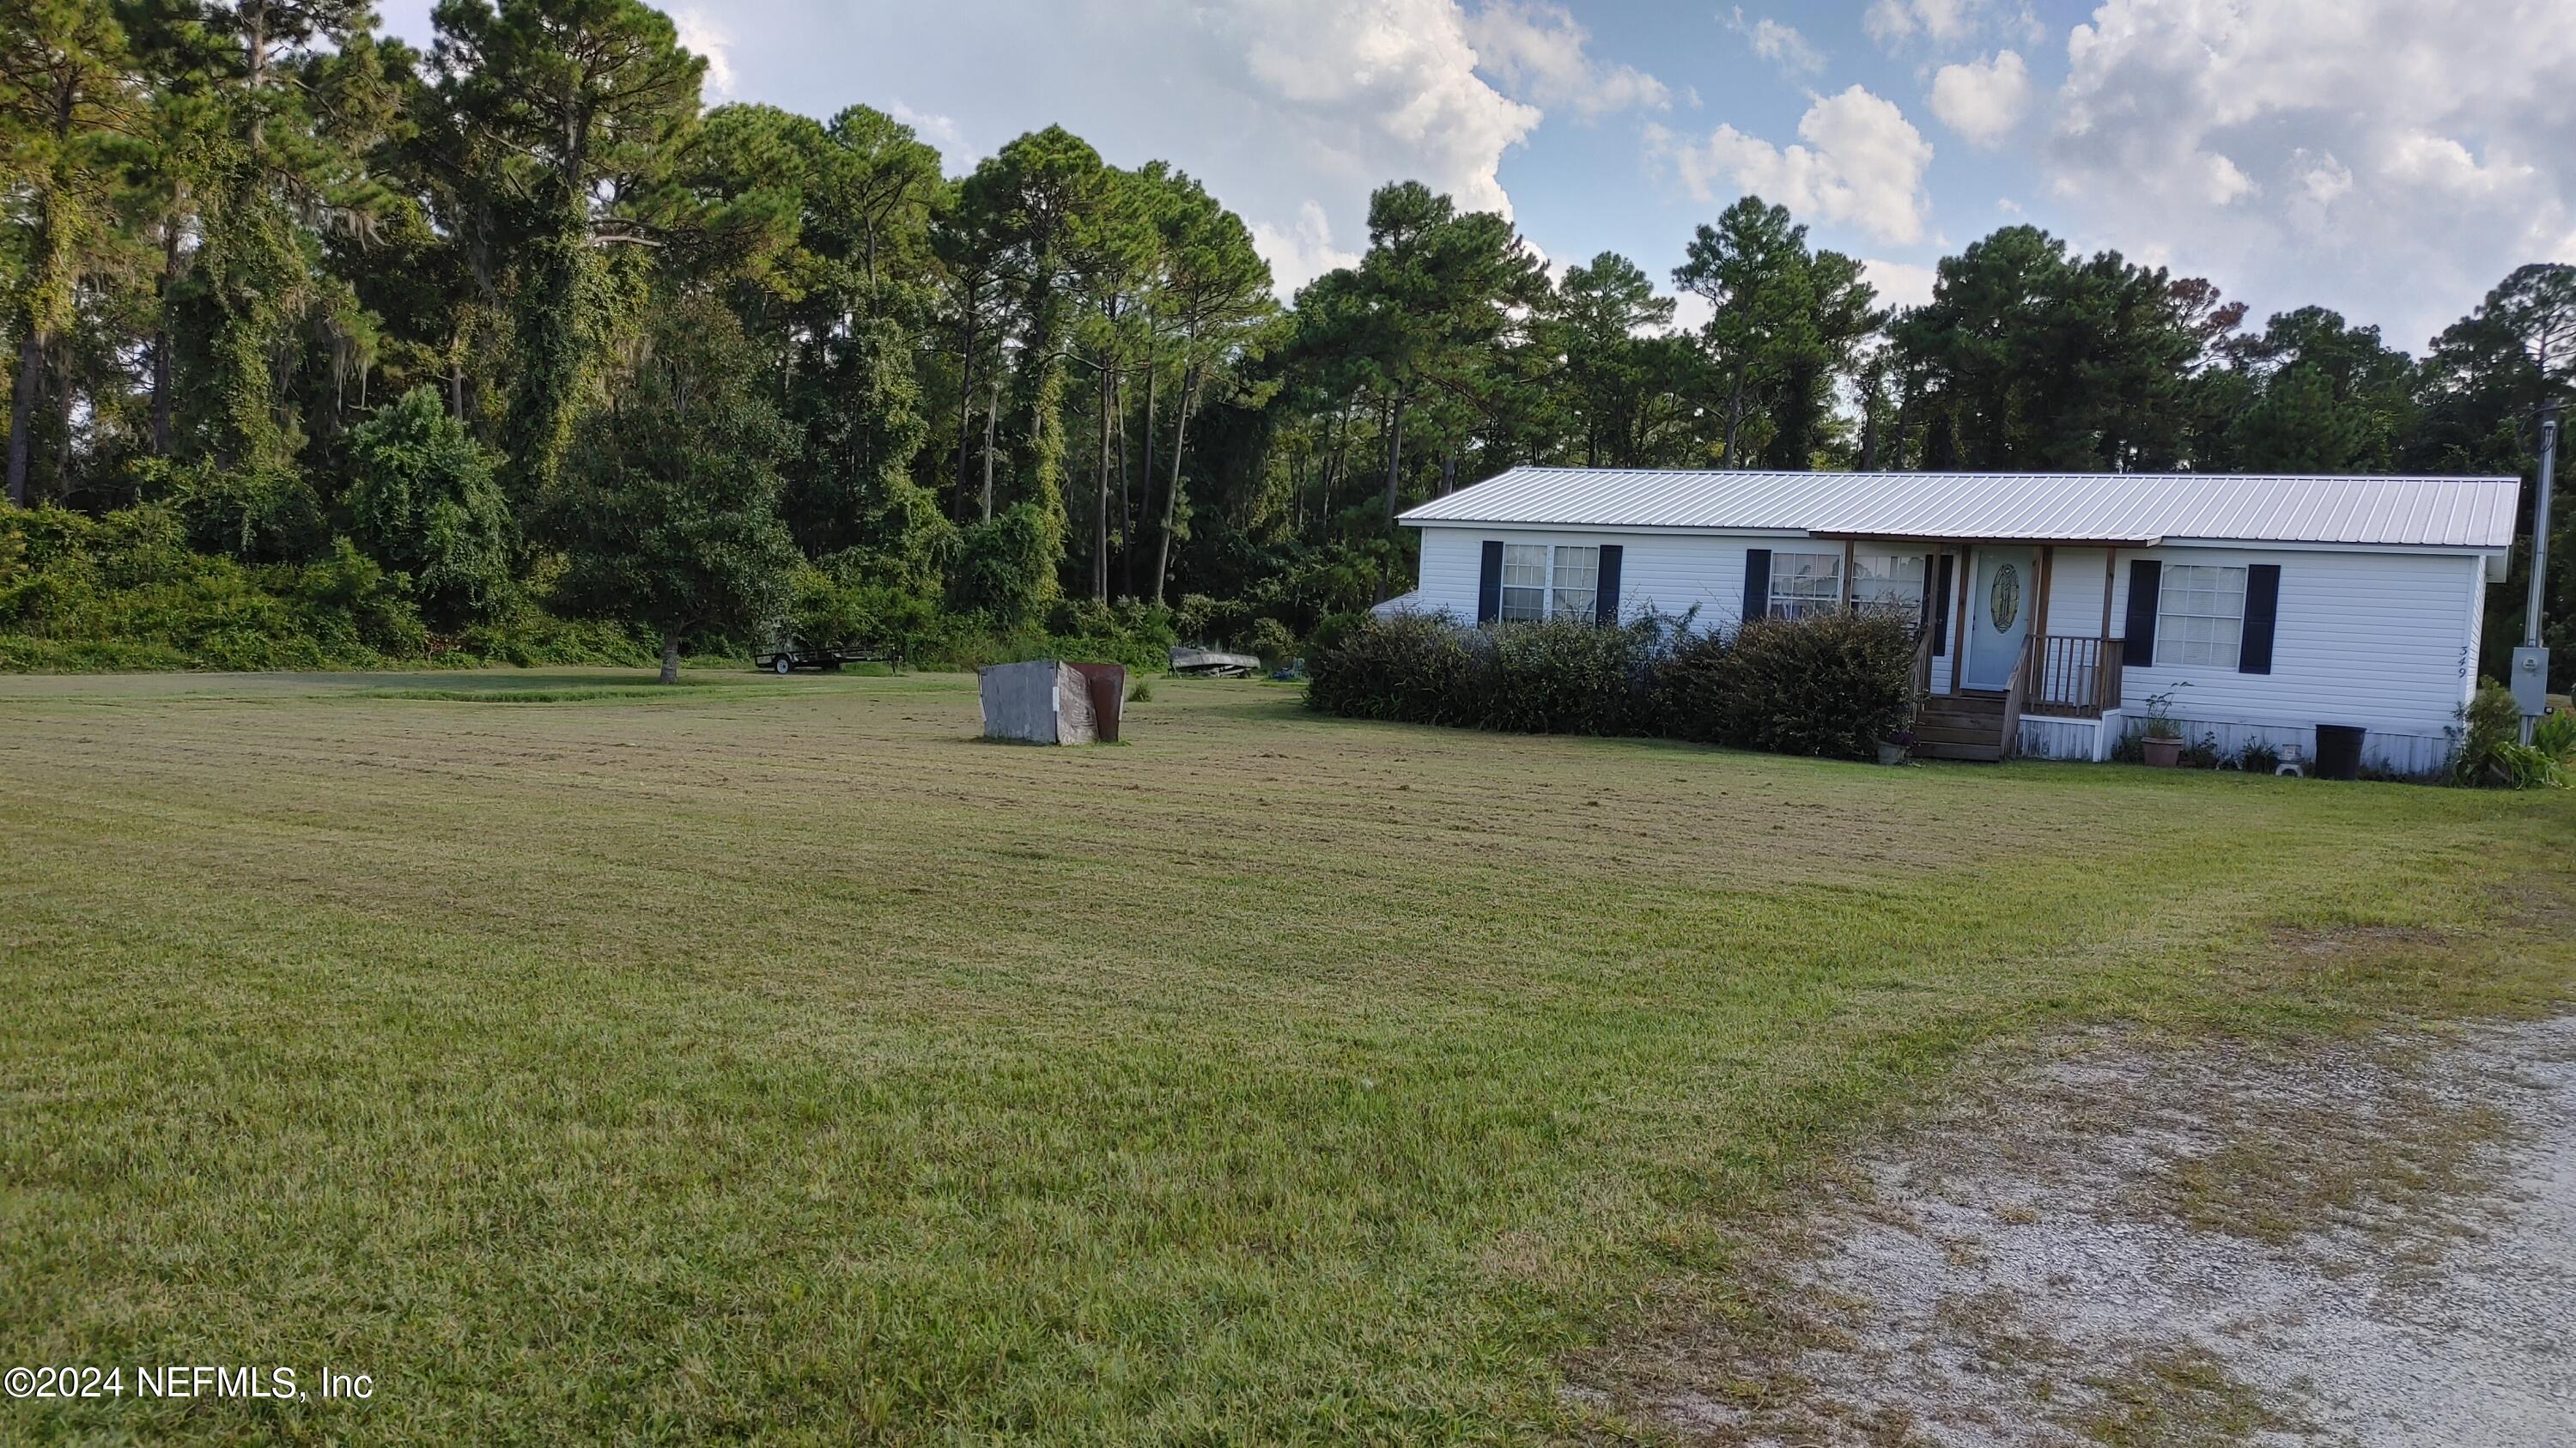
1999 615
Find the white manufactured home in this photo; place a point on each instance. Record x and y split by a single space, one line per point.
2296 612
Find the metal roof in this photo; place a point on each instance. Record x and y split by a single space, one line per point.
2126 508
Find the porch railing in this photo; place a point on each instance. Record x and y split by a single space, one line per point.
2072 676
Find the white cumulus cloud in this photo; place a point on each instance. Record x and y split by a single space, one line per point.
1861 164
1899 283
702 36
940 133
1300 253
1539 53
1778 43
1890 22
2389 158
1983 100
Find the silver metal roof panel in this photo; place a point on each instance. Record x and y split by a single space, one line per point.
2133 508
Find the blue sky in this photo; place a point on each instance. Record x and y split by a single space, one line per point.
2388 158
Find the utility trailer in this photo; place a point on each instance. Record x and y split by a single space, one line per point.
787 658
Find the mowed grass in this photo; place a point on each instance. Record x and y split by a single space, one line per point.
771 1059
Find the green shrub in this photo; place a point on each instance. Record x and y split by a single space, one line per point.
1333 628
1832 685
845 601
1270 639
1411 668
1005 567
256 517
2555 736
422 499
1824 686
1689 676
1567 676
1135 634
1559 677
125 591
524 635
2492 754
1202 620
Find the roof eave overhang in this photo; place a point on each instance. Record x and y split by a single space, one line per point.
1955 540
1941 540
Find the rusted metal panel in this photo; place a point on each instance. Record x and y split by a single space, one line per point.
1108 688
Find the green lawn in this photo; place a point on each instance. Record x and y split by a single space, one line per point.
768 1057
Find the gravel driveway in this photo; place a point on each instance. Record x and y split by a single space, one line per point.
2371 1246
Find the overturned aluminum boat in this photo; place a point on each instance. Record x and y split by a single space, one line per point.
1211 664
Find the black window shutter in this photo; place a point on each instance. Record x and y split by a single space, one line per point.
1605 608
2262 611
1489 585
1757 583
2146 585
1941 603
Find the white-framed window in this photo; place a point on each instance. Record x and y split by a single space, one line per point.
1889 585
2200 615
1524 582
1806 584
1540 581
1577 585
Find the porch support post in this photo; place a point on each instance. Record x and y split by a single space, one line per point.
2047 575
1959 634
2110 570
1849 551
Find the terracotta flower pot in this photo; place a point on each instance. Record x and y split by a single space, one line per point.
2164 753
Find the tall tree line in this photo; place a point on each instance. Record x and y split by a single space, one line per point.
290 280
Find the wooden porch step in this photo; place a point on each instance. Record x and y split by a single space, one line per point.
1989 752
1964 717
1928 732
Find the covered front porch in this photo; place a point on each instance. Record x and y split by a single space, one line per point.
2016 654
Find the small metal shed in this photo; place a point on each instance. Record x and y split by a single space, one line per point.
1048 701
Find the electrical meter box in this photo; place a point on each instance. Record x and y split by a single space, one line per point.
2531 681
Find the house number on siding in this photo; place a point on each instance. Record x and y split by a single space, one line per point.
2006 596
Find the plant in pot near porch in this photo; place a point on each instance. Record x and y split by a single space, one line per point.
2163 742
1893 747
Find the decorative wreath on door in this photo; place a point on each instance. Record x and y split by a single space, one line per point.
2004 599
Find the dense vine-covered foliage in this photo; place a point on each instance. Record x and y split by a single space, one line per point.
303 288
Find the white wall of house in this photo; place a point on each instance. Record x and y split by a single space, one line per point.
2075 592
2385 641
1668 573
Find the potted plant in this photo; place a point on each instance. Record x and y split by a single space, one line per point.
1897 745
2163 744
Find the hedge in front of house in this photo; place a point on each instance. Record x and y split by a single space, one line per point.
1410 669
1828 686
1831 686
1559 677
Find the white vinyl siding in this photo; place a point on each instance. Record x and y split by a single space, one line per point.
2200 616
2381 640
